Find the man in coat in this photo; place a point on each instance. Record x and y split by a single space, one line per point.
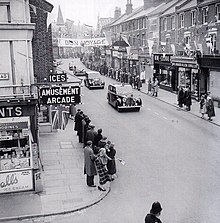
89 165
153 216
91 133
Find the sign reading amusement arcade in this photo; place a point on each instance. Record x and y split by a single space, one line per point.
60 95
65 42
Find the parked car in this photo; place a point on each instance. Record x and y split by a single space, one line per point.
78 72
93 80
121 97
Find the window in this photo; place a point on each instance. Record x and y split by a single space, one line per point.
193 18
140 23
172 19
143 39
182 20
212 45
5 13
165 24
205 15
218 12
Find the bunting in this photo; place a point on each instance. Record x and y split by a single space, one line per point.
150 45
125 39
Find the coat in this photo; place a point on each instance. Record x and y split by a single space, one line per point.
180 97
150 218
111 165
89 164
210 108
188 99
90 135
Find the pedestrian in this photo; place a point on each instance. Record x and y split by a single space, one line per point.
102 142
111 165
138 82
142 76
72 111
155 87
188 99
76 119
85 125
210 108
80 126
149 86
91 133
98 137
180 97
153 216
101 162
89 164
202 106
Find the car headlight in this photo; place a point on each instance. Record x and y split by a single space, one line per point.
124 99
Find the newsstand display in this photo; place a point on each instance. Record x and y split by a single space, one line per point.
17 155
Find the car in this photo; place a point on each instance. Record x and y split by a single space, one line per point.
93 80
121 97
78 72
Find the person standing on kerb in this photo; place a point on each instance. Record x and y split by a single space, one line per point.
153 216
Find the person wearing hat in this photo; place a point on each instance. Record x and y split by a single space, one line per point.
91 133
153 216
89 164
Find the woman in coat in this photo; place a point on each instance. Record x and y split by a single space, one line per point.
202 106
101 162
188 99
111 165
210 108
180 97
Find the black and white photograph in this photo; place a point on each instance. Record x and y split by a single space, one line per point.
110 111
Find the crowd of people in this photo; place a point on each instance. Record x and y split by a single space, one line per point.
99 152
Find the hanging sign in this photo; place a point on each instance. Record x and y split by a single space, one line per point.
64 42
60 95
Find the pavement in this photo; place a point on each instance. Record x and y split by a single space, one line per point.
64 184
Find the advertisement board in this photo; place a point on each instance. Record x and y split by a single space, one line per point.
60 95
16 181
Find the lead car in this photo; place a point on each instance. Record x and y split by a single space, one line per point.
121 97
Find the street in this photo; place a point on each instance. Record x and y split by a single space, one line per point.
170 156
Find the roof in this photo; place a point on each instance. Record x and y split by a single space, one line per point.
42 4
160 8
187 5
172 7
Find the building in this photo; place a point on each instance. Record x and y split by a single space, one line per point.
19 153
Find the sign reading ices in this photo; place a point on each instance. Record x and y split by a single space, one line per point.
64 42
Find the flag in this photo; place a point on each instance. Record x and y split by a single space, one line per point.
173 48
209 42
150 46
55 118
88 26
124 37
108 37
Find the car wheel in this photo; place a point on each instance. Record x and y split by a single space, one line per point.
117 108
138 109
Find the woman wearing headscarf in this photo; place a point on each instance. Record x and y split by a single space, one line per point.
101 162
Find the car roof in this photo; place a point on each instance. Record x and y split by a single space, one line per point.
93 73
122 87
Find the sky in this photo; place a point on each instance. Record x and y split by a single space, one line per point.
87 11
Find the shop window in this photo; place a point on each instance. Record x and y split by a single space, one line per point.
193 18
213 42
205 15
181 20
172 19
218 12
194 87
43 114
184 77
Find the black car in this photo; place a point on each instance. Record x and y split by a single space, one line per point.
121 97
93 80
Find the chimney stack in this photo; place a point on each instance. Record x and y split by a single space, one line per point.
129 7
117 13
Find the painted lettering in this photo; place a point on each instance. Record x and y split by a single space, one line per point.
9 180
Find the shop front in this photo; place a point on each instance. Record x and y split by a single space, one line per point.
187 70
164 71
210 76
19 155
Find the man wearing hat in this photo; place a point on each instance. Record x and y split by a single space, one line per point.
91 133
153 216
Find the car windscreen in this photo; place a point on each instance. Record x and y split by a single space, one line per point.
94 75
126 89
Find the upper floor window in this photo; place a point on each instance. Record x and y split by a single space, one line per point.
141 24
193 18
165 24
172 20
5 13
218 12
204 15
181 20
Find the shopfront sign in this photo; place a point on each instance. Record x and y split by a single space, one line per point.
187 65
16 181
60 95
162 58
16 111
4 76
13 126
58 77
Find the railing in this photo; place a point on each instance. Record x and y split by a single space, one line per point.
18 91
